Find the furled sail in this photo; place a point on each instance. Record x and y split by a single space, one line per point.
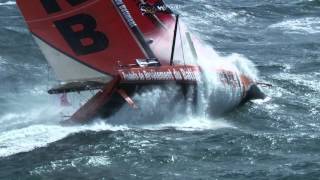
81 39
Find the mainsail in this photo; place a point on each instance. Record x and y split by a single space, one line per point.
88 39
81 39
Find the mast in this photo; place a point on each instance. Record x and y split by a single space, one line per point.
134 28
154 17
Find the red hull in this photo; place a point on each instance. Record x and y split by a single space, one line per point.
233 85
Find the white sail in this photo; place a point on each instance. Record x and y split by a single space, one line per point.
67 69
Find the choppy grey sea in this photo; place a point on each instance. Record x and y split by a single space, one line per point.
277 138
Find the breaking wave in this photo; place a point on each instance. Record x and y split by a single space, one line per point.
40 135
8 3
192 124
309 25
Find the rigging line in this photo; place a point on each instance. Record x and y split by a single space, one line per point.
47 84
48 78
174 39
159 21
181 42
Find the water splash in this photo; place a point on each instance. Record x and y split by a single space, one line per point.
213 92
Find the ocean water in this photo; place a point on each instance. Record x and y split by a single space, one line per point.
276 138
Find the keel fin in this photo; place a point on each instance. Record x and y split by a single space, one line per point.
127 98
90 109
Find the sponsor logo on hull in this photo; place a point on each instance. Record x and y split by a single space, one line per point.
169 73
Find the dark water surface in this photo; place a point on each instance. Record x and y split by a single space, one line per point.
278 138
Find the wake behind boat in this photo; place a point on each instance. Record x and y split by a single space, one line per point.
119 46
